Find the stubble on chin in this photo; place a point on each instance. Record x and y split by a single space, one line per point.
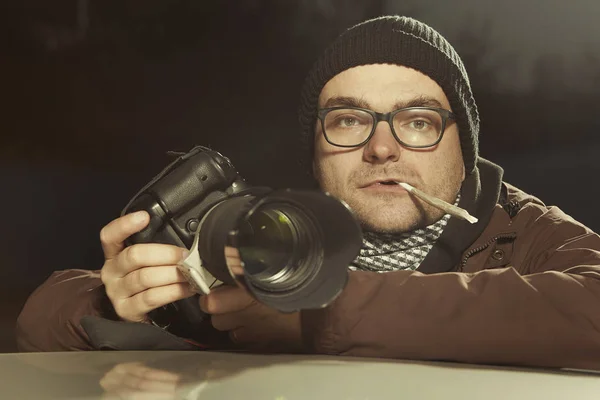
377 212
387 213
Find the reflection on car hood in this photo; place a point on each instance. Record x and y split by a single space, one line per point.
218 375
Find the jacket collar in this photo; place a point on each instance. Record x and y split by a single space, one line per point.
480 193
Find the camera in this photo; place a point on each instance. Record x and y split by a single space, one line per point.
294 245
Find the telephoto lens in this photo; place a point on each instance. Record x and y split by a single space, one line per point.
295 246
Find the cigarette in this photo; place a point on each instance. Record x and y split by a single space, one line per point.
439 203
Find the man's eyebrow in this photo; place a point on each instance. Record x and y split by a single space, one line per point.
421 101
346 101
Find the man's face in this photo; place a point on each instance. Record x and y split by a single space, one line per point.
351 174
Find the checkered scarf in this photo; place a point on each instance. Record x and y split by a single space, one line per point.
394 252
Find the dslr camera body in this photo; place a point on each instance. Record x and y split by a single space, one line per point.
295 245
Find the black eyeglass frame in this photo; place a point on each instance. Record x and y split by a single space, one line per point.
387 117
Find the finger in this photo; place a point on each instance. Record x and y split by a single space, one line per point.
228 322
148 255
232 256
110 382
145 278
255 316
139 369
233 335
115 232
226 299
148 385
232 252
244 335
251 338
153 374
124 377
136 307
261 336
234 261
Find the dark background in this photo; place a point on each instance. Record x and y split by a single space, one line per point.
95 92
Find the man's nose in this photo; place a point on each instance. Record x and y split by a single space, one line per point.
383 146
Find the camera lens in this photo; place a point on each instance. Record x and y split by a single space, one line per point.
272 242
295 246
266 242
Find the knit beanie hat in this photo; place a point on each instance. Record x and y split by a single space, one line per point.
402 41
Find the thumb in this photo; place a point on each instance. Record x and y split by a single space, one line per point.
113 235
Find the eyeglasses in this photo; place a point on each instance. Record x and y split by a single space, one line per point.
414 127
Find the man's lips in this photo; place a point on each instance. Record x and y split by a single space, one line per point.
382 182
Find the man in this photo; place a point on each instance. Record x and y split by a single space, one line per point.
389 101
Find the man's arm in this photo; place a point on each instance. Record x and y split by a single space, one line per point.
50 318
133 281
548 316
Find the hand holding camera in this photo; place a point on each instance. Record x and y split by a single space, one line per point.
250 323
291 250
141 277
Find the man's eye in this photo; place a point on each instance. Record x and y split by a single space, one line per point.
348 121
419 125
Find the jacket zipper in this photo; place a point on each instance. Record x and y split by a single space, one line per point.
484 246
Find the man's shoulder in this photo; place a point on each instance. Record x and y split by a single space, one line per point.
522 197
532 209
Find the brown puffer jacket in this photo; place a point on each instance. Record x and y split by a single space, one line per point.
520 287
